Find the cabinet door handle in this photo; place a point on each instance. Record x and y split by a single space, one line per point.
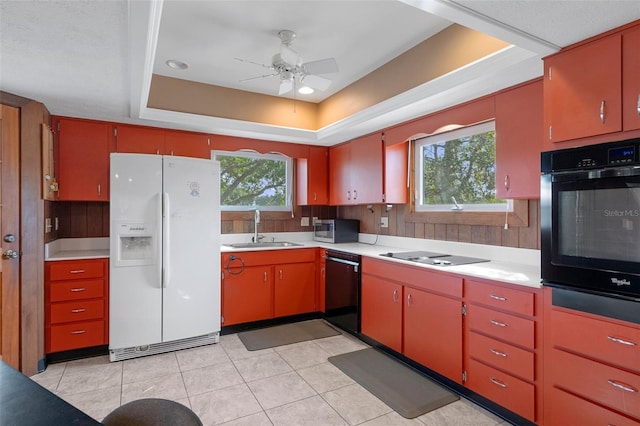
76 271
602 111
621 341
500 298
78 331
409 299
315 196
498 353
265 277
99 189
620 386
280 273
498 323
638 104
75 290
507 183
78 311
497 382
395 296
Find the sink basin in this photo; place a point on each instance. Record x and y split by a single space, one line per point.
263 244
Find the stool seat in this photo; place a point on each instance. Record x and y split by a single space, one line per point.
152 412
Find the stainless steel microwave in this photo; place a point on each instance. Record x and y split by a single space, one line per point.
336 230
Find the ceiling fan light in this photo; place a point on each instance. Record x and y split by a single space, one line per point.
305 90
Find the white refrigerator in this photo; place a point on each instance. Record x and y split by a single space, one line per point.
164 275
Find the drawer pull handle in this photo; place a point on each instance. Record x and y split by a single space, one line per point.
493 351
76 271
622 342
498 323
78 311
621 386
497 382
75 290
500 298
79 332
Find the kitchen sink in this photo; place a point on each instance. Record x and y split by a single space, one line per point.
266 244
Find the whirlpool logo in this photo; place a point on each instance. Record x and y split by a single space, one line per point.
621 213
620 282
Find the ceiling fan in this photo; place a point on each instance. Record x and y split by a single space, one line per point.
293 72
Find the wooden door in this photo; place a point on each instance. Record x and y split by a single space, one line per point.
187 144
294 289
248 295
340 175
366 170
9 226
382 311
139 139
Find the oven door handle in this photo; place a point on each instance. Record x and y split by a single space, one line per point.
596 174
345 261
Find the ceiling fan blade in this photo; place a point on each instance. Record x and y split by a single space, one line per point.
323 66
285 86
289 55
316 82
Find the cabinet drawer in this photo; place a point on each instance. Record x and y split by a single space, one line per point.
513 394
515 330
612 343
567 409
71 270
597 382
516 361
76 289
517 301
77 335
81 310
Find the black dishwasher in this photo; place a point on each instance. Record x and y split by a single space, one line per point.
342 290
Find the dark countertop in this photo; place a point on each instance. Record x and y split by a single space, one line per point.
24 402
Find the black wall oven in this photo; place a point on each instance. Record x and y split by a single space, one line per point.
590 219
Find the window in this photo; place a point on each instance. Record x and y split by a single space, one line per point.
455 170
250 180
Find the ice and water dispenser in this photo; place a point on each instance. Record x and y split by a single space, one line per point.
135 244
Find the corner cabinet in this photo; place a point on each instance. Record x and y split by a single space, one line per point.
260 285
356 171
83 148
519 132
76 304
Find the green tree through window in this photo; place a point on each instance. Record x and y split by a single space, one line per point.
251 180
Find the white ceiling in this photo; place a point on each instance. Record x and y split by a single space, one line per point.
94 59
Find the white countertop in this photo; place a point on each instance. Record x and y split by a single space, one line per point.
525 270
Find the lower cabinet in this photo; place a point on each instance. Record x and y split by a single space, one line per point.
592 368
259 285
76 304
416 312
483 335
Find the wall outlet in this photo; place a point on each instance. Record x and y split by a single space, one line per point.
47 225
315 219
384 222
304 221
57 224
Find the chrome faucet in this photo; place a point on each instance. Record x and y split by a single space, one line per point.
256 221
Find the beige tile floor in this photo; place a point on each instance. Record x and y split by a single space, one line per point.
226 384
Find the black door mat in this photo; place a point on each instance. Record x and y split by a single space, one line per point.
286 334
408 392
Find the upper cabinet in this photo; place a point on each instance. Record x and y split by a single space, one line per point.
396 173
312 181
631 79
139 140
519 132
582 90
356 170
187 144
83 157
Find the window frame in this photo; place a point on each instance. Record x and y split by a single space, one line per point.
289 179
445 134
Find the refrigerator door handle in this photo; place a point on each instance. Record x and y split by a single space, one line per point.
166 272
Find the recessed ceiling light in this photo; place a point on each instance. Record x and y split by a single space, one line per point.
305 90
177 65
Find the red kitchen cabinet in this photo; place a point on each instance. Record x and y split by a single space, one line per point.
76 304
247 294
631 79
139 139
356 171
381 311
187 144
396 179
83 159
582 90
433 332
313 177
519 132
294 289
